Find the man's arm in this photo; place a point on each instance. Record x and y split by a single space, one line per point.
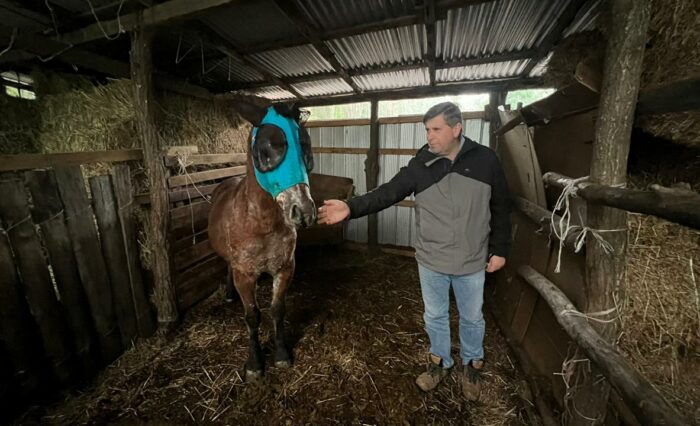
386 195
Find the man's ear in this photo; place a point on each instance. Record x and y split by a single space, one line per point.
250 111
457 130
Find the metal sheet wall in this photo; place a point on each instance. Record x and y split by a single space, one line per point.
396 224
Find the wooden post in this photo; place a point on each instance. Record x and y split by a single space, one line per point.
605 271
372 173
495 99
144 102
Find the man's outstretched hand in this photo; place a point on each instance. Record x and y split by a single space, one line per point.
332 212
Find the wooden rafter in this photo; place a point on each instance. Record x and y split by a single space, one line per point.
431 36
310 33
555 34
214 40
155 15
480 86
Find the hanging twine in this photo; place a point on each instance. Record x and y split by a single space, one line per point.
563 227
182 163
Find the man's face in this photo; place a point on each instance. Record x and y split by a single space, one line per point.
442 139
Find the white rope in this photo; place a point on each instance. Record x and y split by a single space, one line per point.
12 42
182 162
99 24
562 228
179 59
47 59
592 315
53 18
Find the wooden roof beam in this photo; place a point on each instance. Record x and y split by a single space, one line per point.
426 91
155 15
306 29
214 40
441 9
431 38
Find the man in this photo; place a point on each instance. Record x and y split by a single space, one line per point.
463 227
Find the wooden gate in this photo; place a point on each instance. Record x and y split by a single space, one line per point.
72 292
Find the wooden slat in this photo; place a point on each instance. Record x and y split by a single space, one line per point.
197 177
115 256
200 281
91 264
362 151
191 255
184 218
189 241
199 159
36 161
406 203
48 212
18 330
337 123
36 281
121 179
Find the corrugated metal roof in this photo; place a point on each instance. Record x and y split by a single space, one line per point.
495 27
250 22
228 69
394 46
323 87
274 93
331 14
483 71
586 19
393 80
293 61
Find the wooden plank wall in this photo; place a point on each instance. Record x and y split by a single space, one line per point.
73 298
197 270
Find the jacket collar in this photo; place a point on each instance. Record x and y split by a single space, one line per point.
428 158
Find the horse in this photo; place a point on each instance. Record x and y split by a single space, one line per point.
253 222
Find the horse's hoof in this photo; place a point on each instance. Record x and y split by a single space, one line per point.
252 376
285 363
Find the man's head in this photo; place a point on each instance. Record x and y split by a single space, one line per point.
443 127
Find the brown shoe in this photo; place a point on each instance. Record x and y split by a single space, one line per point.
471 383
433 375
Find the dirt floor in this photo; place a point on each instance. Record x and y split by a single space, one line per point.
355 325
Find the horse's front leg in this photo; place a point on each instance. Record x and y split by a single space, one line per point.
245 285
280 283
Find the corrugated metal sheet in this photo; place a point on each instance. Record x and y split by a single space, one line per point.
323 87
393 46
274 93
331 14
392 80
587 18
293 61
346 165
495 27
483 71
250 22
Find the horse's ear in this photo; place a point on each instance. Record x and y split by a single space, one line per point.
251 112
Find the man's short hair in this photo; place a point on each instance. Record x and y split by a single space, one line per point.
449 110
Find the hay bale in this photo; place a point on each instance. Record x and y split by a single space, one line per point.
18 128
588 46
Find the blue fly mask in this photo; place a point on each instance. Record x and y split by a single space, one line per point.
281 151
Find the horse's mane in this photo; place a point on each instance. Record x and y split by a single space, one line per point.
291 111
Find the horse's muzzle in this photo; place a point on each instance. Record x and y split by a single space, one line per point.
298 206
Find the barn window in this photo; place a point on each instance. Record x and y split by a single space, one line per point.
18 85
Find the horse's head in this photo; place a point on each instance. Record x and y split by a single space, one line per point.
282 158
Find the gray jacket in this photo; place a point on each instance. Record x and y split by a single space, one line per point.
462 207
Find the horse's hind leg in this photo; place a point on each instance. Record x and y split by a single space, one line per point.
230 290
245 285
280 283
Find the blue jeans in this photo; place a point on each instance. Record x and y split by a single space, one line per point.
469 293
